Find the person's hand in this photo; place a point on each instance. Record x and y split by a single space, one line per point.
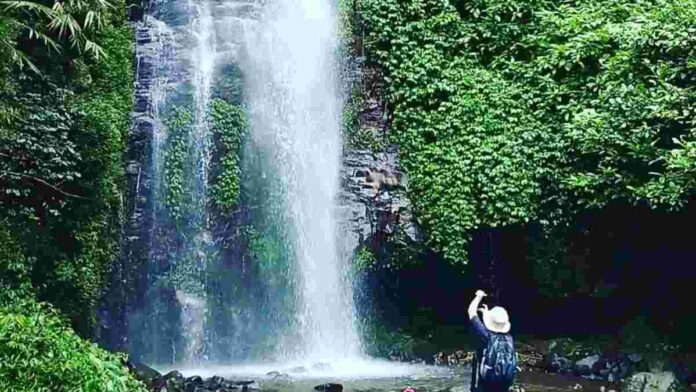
480 293
483 308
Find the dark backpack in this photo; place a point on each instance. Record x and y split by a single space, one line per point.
498 363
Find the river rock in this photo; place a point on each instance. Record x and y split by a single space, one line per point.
556 363
277 376
193 384
329 387
143 372
174 381
249 387
586 366
149 376
649 382
214 382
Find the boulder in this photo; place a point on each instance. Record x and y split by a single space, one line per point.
149 376
249 387
193 383
586 366
143 372
649 382
214 382
556 363
329 387
277 376
174 381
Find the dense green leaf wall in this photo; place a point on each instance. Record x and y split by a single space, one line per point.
508 112
65 99
39 352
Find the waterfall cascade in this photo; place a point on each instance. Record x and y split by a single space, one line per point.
278 62
295 105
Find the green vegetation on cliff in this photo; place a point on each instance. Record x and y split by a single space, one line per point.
66 78
508 112
39 352
229 123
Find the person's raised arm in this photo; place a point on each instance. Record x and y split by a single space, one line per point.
473 306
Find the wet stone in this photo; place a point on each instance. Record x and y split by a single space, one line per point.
214 382
329 387
253 386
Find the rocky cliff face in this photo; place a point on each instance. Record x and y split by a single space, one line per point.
374 198
129 275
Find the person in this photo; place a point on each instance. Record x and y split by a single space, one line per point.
493 368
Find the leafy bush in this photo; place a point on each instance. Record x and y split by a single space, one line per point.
14 268
509 111
179 126
229 123
38 352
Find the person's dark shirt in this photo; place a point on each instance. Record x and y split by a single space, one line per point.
481 333
481 336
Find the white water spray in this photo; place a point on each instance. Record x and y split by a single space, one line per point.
295 109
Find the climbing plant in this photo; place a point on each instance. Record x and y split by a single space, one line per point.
39 352
228 124
66 87
176 155
508 112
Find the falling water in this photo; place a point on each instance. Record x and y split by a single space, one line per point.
287 53
295 107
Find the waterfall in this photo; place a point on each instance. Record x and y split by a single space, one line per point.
202 301
295 104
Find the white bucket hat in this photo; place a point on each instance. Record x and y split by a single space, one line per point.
497 320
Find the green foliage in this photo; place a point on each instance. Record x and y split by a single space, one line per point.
638 336
270 255
348 26
382 341
179 126
228 86
38 352
508 112
355 134
364 259
14 268
229 124
72 22
62 136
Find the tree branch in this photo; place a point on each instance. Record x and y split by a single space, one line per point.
43 182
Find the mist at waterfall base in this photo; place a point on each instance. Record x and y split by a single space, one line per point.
267 287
